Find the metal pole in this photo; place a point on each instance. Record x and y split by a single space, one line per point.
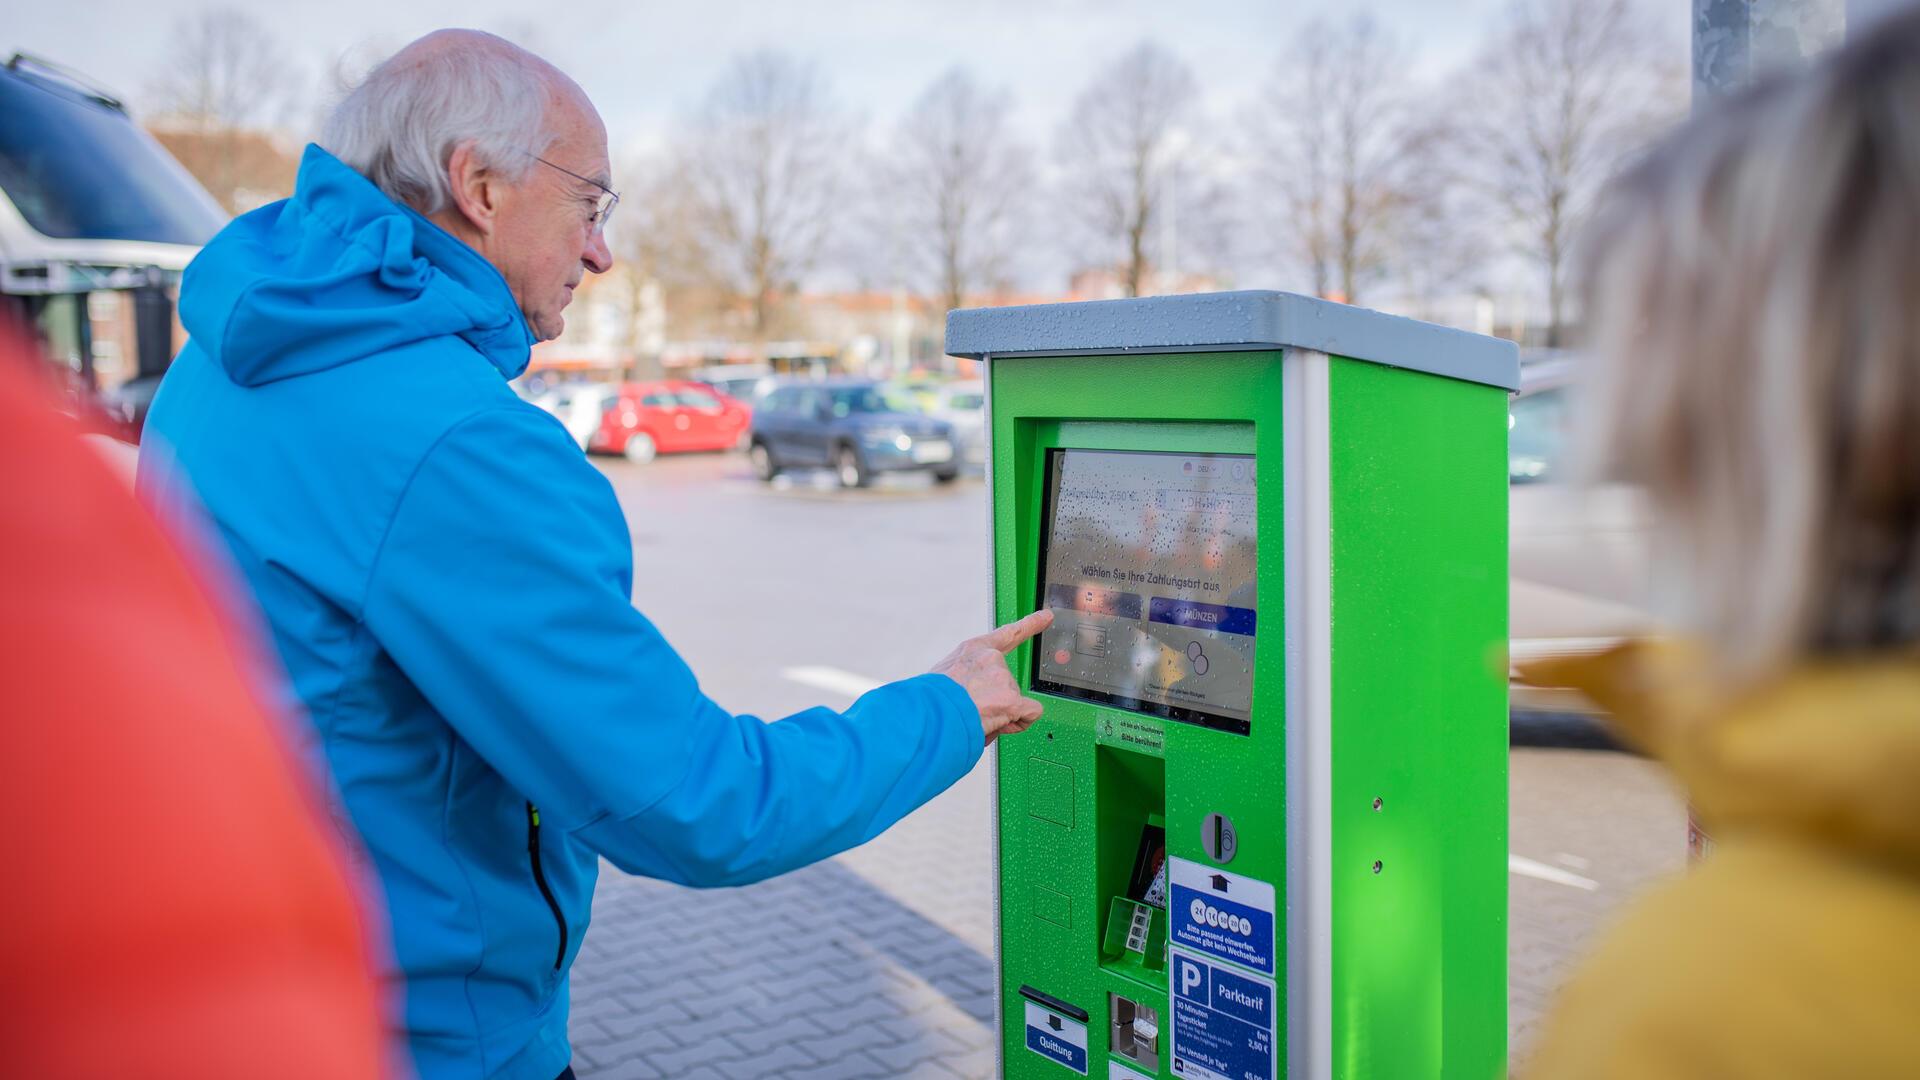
1862 14
1736 41
152 326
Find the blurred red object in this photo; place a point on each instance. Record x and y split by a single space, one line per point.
176 904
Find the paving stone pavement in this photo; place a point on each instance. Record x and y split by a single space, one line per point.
879 963
1611 818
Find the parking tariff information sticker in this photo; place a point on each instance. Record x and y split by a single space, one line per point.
1224 915
1057 1038
1222 1021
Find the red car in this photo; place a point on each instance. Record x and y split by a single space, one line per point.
648 418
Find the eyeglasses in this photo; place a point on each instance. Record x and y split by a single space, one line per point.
603 207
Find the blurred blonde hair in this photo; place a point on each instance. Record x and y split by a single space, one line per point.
1753 304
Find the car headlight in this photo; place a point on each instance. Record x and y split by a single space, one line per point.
893 437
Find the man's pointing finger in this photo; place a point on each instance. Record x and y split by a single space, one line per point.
1008 638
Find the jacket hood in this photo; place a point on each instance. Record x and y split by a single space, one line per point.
1828 754
340 272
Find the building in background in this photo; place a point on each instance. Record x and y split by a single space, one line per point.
241 169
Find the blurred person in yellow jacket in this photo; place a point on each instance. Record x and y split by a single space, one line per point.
1754 308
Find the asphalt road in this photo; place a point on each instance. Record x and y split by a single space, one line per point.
798 594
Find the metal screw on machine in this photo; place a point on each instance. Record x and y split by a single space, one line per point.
1218 839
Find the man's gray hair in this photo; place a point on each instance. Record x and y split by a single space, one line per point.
400 126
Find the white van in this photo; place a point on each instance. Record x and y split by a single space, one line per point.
97 221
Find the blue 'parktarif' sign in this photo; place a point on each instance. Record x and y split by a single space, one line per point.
1223 1022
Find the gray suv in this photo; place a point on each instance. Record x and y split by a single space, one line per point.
849 426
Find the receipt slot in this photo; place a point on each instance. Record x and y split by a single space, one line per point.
1261 829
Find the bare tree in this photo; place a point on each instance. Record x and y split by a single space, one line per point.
958 175
757 163
664 280
1334 135
224 71
1437 244
1120 155
1564 91
226 74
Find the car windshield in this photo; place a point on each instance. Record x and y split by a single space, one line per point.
963 402
698 399
858 399
77 169
899 398
1536 436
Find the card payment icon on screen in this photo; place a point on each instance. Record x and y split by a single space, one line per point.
1090 639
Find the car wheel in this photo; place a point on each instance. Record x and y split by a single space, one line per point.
764 466
850 469
641 448
946 476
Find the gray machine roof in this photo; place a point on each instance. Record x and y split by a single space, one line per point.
1214 322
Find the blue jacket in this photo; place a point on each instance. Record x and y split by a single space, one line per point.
448 583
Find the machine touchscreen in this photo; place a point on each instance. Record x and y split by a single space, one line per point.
1148 564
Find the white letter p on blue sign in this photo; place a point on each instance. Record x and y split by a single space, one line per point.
1189 977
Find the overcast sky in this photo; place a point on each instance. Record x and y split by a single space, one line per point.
644 62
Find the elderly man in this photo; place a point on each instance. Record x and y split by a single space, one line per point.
448 581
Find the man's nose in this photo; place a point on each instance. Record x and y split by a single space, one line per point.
597 256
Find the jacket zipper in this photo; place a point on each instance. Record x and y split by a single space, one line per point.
540 879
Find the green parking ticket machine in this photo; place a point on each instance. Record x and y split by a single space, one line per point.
1261 829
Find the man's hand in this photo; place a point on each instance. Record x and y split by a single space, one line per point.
980 666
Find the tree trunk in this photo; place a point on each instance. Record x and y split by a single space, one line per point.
1554 259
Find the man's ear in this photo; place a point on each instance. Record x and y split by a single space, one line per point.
476 189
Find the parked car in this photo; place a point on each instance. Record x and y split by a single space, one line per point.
849 426
578 405
1579 558
923 392
964 405
901 399
745 383
643 419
